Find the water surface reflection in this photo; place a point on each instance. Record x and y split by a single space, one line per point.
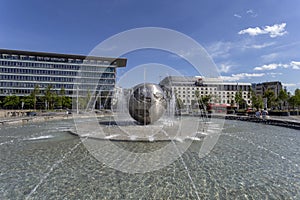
44 161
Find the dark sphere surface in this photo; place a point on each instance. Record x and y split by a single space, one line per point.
147 103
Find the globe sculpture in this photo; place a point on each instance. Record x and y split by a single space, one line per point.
147 103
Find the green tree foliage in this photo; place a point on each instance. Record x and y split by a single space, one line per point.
202 102
297 97
283 95
28 102
179 103
83 101
62 101
271 100
50 97
11 102
34 95
257 101
292 101
197 94
239 99
205 100
297 92
282 98
50 100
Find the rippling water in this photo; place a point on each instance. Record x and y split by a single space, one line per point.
250 161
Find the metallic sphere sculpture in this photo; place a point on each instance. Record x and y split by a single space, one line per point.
147 103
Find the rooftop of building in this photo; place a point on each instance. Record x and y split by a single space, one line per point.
200 79
66 58
269 83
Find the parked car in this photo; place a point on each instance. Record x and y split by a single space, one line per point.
30 114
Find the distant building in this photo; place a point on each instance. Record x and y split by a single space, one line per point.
222 92
22 71
261 88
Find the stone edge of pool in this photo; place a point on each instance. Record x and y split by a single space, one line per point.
282 122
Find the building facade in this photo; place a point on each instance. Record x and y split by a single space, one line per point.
261 88
221 92
22 71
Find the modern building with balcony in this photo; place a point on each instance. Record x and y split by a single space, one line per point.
22 71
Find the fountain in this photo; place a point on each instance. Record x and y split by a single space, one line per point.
242 165
142 114
147 103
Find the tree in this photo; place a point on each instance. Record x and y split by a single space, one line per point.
257 102
85 100
239 99
205 100
49 97
34 94
297 92
179 104
253 98
62 101
269 94
292 101
197 100
11 102
197 94
28 102
282 98
297 97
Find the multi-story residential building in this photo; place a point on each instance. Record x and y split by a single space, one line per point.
221 92
22 71
261 88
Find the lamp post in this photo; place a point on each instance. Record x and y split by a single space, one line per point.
77 109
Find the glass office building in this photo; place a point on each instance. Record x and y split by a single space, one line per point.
22 71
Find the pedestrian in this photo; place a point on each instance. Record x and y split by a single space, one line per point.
264 113
258 114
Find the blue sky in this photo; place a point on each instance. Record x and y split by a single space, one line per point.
250 41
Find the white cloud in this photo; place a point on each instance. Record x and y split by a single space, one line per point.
236 77
186 53
270 57
252 31
273 31
271 66
276 30
273 74
224 67
220 49
224 49
251 13
238 16
295 65
260 46
267 67
289 84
